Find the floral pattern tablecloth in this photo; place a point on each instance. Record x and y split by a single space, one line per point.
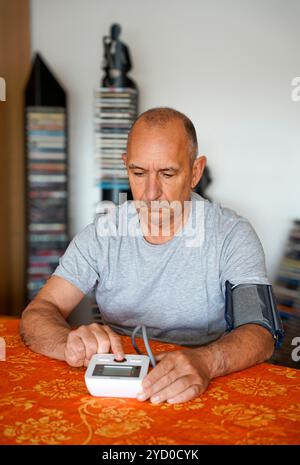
45 401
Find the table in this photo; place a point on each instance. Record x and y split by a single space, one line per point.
45 401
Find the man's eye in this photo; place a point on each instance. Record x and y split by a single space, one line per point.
166 175
138 174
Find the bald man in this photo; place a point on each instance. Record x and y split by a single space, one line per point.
167 271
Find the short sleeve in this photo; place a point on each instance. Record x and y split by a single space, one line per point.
78 265
242 257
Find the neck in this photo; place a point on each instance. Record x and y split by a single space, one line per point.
177 222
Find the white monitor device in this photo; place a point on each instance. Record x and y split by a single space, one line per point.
107 377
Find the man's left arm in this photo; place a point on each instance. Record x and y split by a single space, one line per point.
182 375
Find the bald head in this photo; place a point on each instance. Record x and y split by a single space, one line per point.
161 156
161 117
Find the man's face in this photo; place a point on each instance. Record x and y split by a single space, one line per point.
158 163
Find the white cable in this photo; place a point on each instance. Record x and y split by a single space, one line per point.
146 342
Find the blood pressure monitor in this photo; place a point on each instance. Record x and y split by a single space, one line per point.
107 377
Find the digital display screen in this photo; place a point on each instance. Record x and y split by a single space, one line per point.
126 371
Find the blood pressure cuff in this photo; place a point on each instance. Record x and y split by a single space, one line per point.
253 303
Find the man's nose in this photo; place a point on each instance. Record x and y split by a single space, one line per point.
153 188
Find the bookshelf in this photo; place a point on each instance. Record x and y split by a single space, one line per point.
46 174
287 284
115 110
287 293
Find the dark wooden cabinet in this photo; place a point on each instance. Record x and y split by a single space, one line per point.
14 68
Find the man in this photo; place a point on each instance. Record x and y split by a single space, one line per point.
164 279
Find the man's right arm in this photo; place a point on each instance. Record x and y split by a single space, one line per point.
44 328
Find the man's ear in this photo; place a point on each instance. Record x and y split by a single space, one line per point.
124 158
198 168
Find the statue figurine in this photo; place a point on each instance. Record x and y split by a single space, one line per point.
117 62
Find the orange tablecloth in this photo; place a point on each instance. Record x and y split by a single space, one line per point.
44 401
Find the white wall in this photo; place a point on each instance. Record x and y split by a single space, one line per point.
226 64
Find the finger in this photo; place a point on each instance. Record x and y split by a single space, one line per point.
155 388
166 365
89 340
76 346
158 357
190 393
75 350
175 389
116 343
73 360
103 342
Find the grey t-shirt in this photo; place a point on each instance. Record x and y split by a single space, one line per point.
177 289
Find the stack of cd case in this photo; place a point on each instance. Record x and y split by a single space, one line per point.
46 175
287 284
115 110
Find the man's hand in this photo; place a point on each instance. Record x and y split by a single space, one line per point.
184 374
178 377
86 341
